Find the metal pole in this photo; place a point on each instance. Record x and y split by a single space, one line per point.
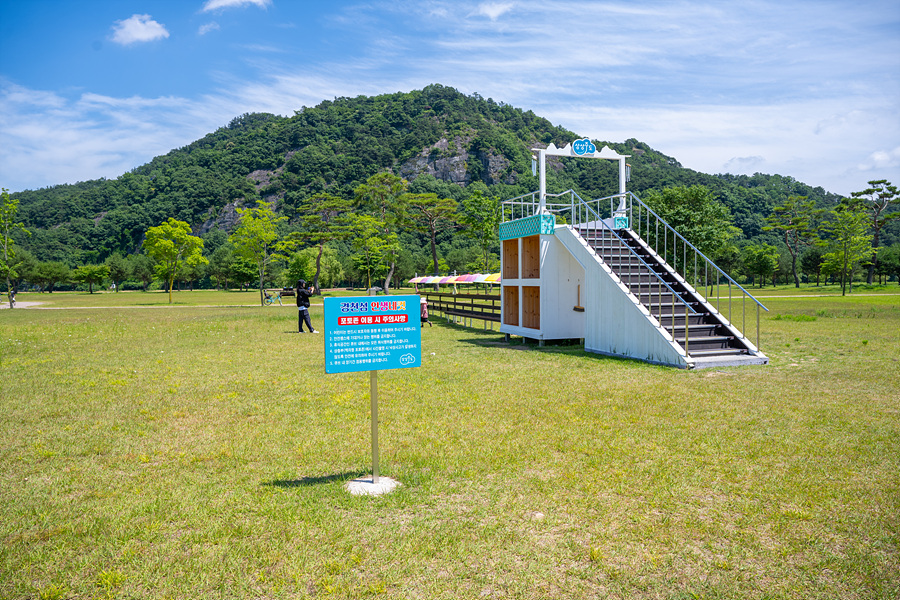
373 394
729 303
757 327
542 165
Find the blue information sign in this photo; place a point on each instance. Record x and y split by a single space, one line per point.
369 333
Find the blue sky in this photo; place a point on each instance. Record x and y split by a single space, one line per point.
809 89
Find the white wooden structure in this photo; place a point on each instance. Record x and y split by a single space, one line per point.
593 278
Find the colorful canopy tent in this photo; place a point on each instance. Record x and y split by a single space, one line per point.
488 278
453 279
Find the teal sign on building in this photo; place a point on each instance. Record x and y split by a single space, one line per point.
534 225
372 334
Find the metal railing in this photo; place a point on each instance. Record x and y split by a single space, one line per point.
563 205
686 259
587 221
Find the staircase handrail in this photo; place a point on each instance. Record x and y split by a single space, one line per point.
593 214
531 201
634 197
634 253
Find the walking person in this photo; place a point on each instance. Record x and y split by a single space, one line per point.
303 306
423 311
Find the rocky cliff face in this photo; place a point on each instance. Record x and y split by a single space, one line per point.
452 161
225 219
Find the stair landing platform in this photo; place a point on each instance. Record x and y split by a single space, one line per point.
709 362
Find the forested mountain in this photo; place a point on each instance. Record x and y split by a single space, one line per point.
437 138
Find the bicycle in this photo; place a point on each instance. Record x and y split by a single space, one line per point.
270 299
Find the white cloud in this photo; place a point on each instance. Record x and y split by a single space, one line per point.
204 29
745 165
138 28
776 139
211 5
50 139
881 160
494 10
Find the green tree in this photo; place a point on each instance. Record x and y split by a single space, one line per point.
371 245
331 272
25 267
696 214
383 195
140 268
849 245
243 272
889 263
306 263
481 219
190 274
324 218
91 275
118 269
759 261
48 274
430 214
221 262
877 201
794 220
301 265
811 262
9 208
171 245
256 239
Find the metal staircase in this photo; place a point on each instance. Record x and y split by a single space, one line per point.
688 299
676 306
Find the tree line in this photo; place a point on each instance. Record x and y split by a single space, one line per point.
813 242
389 229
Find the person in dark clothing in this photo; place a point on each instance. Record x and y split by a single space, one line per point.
303 306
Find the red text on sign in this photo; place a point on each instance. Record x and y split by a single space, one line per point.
373 320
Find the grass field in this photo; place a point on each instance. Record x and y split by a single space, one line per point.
200 451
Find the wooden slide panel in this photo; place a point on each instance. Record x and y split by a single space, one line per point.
511 305
531 306
531 257
511 259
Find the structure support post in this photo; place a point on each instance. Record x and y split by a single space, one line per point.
622 208
542 170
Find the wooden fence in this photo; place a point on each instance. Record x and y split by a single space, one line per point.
456 307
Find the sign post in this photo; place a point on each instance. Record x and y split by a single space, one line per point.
373 396
371 334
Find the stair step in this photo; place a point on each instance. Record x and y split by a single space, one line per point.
694 319
664 292
678 307
720 352
718 339
697 329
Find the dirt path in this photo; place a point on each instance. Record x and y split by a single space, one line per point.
5 304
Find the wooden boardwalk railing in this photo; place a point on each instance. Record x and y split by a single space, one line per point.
483 307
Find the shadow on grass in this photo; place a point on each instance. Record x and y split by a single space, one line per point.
310 481
572 346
